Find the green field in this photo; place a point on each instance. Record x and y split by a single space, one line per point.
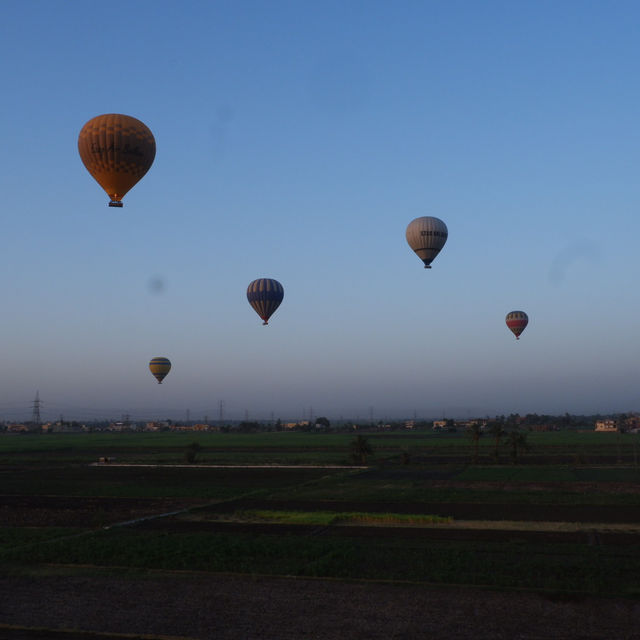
552 567
311 448
59 509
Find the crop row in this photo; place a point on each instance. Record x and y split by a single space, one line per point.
554 567
535 485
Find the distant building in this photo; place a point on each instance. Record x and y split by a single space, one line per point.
17 428
293 425
190 427
63 427
607 425
438 425
156 426
467 424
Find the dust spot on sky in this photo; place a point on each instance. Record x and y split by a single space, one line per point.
157 285
570 257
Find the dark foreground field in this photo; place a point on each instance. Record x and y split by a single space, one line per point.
392 551
226 607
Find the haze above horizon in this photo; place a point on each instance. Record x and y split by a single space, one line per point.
297 142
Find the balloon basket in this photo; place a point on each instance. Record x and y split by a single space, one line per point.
114 203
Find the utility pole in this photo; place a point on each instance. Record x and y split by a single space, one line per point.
35 415
221 408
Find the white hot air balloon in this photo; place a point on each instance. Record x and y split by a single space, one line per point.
426 236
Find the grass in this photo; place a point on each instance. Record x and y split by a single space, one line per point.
558 567
12 537
332 517
161 482
423 448
517 474
101 443
417 485
400 484
58 465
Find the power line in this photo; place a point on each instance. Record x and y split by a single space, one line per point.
35 415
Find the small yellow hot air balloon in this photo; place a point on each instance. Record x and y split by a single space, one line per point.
117 151
159 367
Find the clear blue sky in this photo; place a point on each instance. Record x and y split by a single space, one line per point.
296 140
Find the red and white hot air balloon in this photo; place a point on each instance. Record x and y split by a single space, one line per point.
517 322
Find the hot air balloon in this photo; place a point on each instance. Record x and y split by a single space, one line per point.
117 151
426 236
159 367
517 321
265 296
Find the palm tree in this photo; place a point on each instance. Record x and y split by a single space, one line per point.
475 433
191 453
517 442
497 431
360 449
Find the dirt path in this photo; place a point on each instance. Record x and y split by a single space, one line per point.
247 608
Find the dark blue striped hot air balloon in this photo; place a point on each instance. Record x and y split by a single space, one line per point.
265 296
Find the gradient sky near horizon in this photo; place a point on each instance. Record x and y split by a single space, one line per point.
296 140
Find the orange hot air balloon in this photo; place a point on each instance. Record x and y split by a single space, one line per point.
117 151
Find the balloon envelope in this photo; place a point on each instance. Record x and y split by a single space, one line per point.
265 296
117 151
517 322
426 236
159 367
